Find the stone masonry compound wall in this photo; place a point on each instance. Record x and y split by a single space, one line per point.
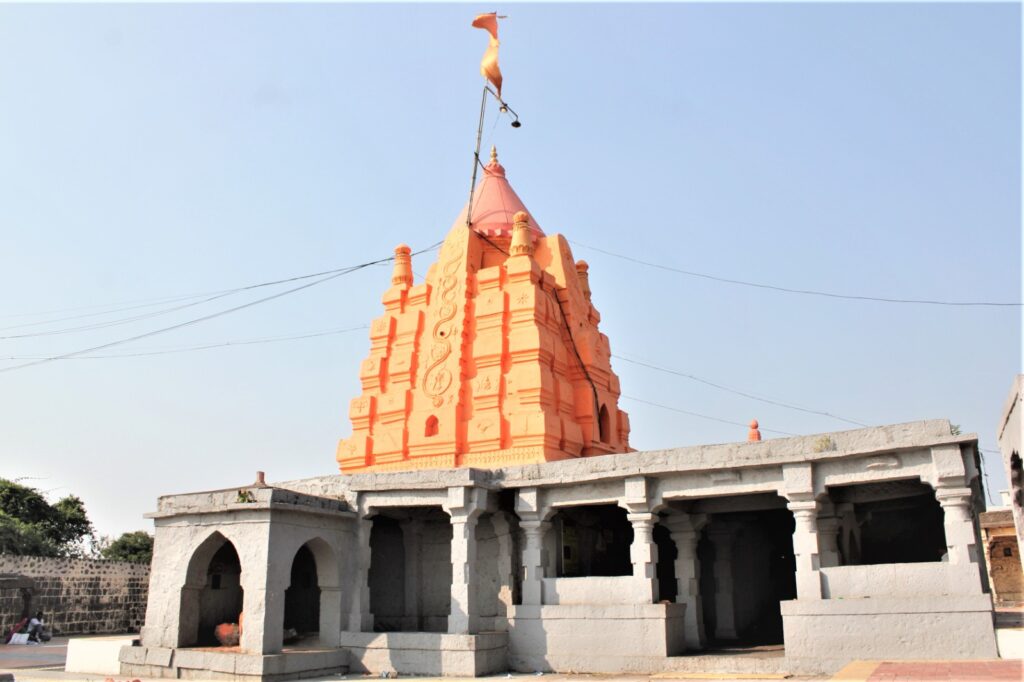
77 596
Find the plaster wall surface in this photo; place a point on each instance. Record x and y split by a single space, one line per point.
899 580
620 589
895 628
595 639
77 596
426 653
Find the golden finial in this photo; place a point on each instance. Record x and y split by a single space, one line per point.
494 154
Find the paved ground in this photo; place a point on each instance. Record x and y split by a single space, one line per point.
51 654
45 663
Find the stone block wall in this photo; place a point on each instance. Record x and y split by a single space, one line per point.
77 596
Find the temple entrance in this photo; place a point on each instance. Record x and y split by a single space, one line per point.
302 598
212 593
747 567
410 570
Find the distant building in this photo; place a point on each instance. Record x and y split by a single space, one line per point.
1002 554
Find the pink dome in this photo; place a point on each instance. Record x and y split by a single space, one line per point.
495 203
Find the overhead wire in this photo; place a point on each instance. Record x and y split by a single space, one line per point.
698 414
807 292
204 318
744 394
224 344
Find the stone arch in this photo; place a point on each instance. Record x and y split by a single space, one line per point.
312 595
212 590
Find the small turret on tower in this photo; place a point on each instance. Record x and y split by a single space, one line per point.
402 272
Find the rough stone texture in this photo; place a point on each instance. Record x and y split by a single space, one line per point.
427 653
595 639
897 628
211 664
77 596
906 580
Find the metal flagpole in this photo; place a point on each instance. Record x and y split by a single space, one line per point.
476 155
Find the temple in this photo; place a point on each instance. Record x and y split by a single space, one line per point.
490 515
495 359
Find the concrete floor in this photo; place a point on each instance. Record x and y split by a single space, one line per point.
45 663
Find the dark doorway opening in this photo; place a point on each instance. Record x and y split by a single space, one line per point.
888 523
221 598
302 598
593 541
747 567
668 586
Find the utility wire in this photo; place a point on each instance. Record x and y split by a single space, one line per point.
212 296
702 416
769 401
224 344
808 292
187 323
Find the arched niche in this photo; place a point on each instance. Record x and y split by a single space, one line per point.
212 593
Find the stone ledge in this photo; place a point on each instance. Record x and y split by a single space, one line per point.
426 641
882 605
596 611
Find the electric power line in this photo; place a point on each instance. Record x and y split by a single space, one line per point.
702 416
211 316
769 401
808 292
223 344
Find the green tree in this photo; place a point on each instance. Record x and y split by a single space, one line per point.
136 546
31 525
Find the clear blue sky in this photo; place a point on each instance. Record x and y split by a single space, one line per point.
152 151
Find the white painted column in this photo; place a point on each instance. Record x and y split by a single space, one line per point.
533 560
411 534
463 616
805 546
685 531
262 631
643 553
360 617
961 543
725 609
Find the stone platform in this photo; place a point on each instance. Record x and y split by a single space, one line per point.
427 653
231 663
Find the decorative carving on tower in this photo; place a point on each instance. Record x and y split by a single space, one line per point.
495 359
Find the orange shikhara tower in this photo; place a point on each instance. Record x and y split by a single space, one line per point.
495 359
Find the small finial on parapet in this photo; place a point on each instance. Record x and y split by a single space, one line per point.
583 273
754 434
522 241
402 274
261 480
494 154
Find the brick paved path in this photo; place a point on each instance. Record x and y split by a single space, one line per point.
955 671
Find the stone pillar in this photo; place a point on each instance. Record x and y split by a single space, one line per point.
685 530
411 534
361 618
961 543
722 536
262 631
330 616
506 579
463 616
829 523
643 553
805 546
533 560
